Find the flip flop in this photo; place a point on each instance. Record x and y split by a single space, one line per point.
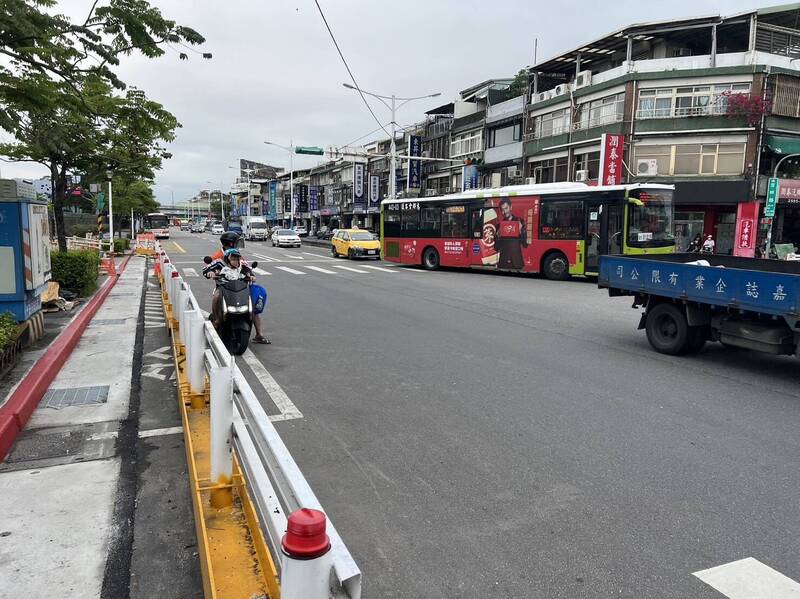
262 340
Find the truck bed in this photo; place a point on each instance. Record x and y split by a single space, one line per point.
765 286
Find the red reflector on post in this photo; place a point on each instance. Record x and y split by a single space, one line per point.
175 274
305 536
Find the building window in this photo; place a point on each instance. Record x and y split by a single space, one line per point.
588 162
505 135
676 102
552 123
553 170
467 143
695 159
601 112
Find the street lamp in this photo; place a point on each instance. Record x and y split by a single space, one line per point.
109 174
290 149
393 108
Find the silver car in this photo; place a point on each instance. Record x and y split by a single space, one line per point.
285 238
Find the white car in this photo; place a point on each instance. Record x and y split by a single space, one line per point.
285 238
300 230
217 229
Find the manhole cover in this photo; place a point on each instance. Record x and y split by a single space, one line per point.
74 396
105 321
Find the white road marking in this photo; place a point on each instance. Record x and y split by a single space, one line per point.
318 256
291 270
153 371
294 256
749 579
263 257
189 272
380 268
158 432
288 411
261 271
319 269
363 272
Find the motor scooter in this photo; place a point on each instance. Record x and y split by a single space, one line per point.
235 321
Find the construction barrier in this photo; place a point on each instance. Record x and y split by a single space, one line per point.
244 480
145 244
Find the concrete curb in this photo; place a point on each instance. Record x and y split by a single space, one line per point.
316 242
15 413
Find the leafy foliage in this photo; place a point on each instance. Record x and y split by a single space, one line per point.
520 84
8 329
76 270
750 106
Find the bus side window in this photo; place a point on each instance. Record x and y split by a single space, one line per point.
476 222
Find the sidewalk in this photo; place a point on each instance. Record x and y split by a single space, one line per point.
94 493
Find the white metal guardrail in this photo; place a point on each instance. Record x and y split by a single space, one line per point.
274 482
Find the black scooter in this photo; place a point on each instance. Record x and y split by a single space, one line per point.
236 320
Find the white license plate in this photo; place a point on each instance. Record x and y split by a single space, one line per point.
371 252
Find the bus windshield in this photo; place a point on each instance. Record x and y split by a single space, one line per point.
650 216
156 221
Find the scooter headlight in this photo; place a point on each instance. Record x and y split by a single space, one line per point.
239 309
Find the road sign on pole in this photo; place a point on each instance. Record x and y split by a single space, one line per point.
311 150
772 198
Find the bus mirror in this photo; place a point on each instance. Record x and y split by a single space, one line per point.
636 202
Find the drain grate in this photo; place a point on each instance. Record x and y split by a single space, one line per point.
74 396
105 321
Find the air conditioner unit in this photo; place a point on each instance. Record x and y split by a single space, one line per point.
583 79
542 96
431 192
581 176
514 173
561 89
647 167
530 181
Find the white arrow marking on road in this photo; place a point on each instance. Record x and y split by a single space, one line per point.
162 353
288 411
318 269
380 268
261 271
363 272
189 272
291 270
153 371
749 579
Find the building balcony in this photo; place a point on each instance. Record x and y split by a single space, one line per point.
504 110
504 153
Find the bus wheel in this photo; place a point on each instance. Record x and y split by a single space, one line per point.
667 329
430 259
556 267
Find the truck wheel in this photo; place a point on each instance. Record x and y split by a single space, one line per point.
697 338
430 259
667 329
556 267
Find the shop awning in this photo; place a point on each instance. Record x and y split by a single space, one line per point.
783 145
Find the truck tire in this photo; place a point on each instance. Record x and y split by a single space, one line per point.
697 338
556 267
430 259
667 329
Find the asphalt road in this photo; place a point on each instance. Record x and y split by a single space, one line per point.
490 435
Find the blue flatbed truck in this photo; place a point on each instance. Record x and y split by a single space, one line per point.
739 302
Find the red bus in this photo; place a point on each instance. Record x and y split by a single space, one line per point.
559 229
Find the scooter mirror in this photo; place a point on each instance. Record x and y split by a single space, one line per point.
253 264
207 260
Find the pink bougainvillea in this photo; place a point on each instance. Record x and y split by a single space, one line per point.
749 106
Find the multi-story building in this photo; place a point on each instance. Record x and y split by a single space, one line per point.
436 174
709 104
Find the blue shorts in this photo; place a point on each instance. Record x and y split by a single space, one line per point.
258 295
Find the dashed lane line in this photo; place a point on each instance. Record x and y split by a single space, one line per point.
294 256
288 411
380 268
261 271
160 432
749 579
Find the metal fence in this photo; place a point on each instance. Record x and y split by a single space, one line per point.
238 421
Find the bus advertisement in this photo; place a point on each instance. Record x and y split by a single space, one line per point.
558 229
157 223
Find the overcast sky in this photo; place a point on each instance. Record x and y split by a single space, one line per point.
276 75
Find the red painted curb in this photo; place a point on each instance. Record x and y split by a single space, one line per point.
32 388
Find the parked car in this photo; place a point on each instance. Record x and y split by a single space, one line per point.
285 238
301 231
196 228
217 229
355 243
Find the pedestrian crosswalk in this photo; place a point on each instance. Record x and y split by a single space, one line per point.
314 269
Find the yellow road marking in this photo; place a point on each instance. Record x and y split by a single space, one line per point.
178 247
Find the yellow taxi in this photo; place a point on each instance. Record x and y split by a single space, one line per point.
355 243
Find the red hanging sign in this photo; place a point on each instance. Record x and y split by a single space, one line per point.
746 229
612 147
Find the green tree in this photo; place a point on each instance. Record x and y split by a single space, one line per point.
519 85
62 100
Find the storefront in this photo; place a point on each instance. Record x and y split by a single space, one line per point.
708 208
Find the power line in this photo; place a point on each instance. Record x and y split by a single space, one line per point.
349 72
